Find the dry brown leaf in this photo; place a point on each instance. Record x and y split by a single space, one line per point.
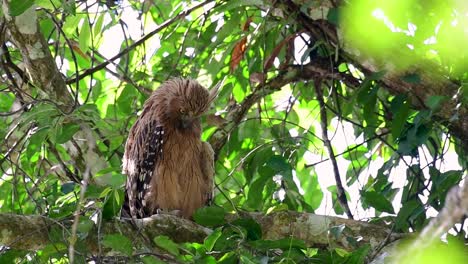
289 56
246 25
269 61
76 47
240 47
237 53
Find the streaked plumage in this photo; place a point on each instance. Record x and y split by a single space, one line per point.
168 167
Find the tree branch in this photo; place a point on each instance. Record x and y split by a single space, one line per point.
43 73
341 194
25 34
32 232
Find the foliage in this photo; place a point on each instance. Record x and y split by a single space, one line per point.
271 158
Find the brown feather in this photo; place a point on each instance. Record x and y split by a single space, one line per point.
182 175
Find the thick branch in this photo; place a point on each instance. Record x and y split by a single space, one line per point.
23 32
43 73
32 232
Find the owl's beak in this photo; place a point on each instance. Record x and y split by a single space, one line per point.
186 121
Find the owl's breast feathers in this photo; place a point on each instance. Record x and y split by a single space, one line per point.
183 178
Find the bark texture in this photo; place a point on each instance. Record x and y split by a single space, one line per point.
33 232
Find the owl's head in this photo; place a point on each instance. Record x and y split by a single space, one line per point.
187 100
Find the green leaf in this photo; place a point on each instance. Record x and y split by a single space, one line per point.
113 204
359 255
247 259
52 250
341 252
278 164
126 99
275 165
354 152
255 194
400 109
13 256
18 7
6 101
254 230
68 187
43 114
119 243
309 181
151 260
408 208
71 23
209 216
441 184
378 201
49 4
69 7
333 16
228 258
207 260
85 225
37 140
65 133
118 180
449 178
116 142
355 168
111 177
336 205
258 159
167 244
94 191
97 28
236 4
435 102
85 36
210 240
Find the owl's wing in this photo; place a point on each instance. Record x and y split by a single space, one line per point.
207 163
142 151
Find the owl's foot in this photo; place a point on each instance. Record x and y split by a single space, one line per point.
167 212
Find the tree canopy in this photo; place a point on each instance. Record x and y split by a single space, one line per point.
356 109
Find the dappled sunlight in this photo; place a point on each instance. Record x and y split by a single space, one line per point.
399 35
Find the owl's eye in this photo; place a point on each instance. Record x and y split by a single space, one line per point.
182 111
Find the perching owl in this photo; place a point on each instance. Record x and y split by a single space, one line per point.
168 167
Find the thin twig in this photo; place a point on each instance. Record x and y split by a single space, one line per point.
341 195
76 220
348 150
